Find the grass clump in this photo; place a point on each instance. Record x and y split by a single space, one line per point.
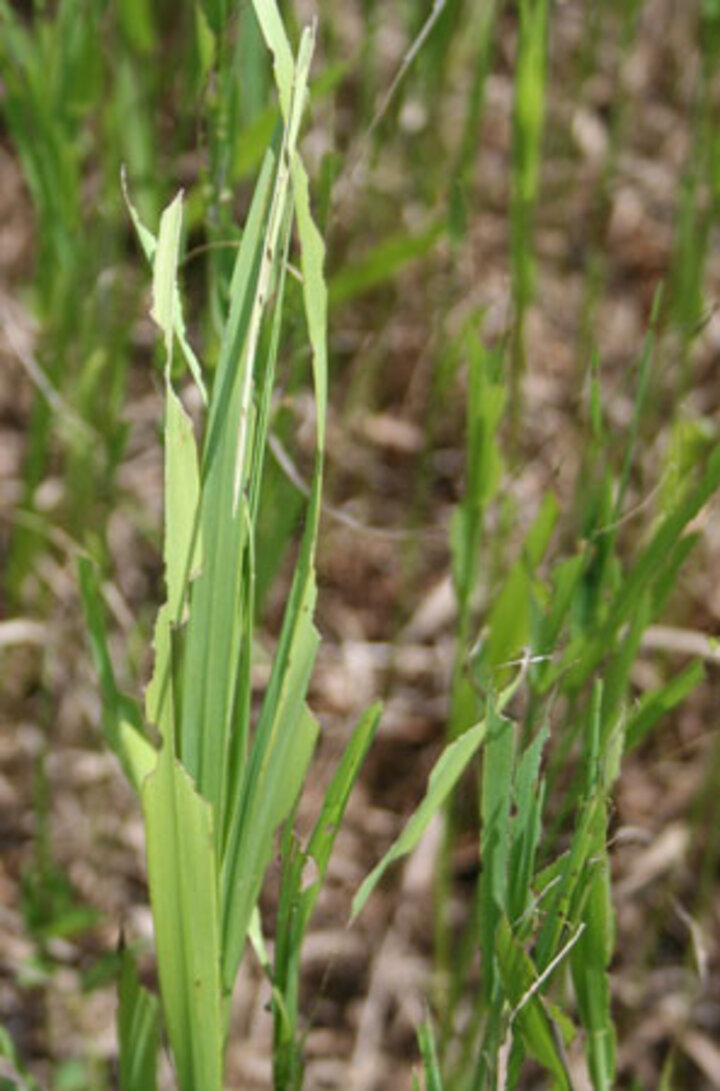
215 790
541 705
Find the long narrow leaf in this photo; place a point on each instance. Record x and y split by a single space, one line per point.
519 977
496 802
216 608
121 715
149 246
449 768
138 1030
183 894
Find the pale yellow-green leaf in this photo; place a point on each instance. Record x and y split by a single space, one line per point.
149 246
165 272
445 775
312 258
257 940
140 755
159 695
277 42
184 897
183 555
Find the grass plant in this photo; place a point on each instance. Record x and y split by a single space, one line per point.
216 790
565 644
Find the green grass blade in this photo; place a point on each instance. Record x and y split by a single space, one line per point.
182 482
666 581
482 25
297 902
284 740
447 771
529 793
183 543
286 733
167 305
184 898
165 262
315 293
564 902
510 616
495 806
566 578
383 264
257 134
519 977
509 620
661 701
252 510
122 723
216 609
496 802
182 540
581 658
656 552
486 399
589 960
528 125
257 481
277 42
160 691
591 954
138 1030
217 606
616 679
336 799
274 785
429 1056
